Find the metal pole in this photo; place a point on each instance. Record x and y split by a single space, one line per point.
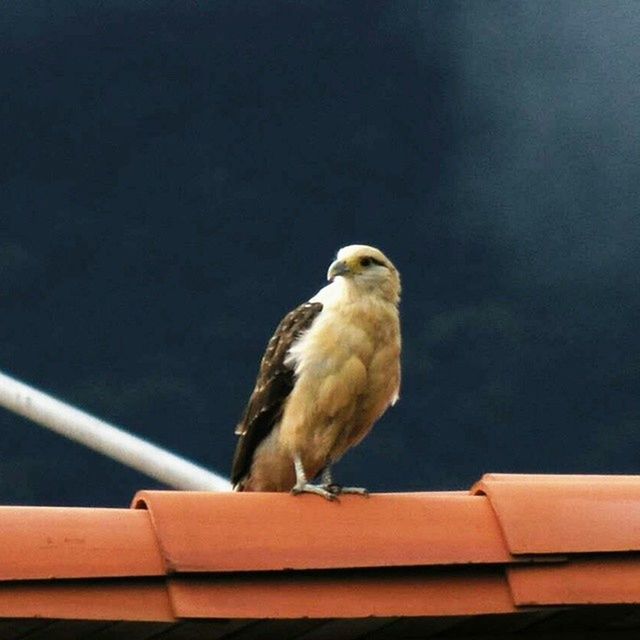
103 437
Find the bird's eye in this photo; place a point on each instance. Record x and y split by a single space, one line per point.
367 261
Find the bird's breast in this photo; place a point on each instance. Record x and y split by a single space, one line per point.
347 372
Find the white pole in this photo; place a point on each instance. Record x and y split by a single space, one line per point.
103 437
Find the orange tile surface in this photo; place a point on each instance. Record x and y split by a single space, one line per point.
359 595
565 514
516 543
50 542
275 531
612 580
84 600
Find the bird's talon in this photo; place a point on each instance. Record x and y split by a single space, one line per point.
314 488
337 489
358 491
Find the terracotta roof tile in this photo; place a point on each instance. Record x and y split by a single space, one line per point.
270 531
518 552
86 600
565 514
53 542
601 579
344 594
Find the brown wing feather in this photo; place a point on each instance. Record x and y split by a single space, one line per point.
275 382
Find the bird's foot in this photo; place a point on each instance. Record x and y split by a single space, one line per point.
337 490
314 488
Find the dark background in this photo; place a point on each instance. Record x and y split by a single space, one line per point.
176 176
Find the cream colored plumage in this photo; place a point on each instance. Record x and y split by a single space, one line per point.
341 352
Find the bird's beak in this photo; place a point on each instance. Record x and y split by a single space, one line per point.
337 268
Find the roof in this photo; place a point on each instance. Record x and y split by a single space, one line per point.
541 554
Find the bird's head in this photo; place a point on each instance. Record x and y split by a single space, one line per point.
367 269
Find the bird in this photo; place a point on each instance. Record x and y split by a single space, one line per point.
329 372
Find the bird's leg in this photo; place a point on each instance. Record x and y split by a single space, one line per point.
303 486
336 489
328 482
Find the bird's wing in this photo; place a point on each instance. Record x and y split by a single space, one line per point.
275 382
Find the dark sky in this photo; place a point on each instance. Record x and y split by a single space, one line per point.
175 176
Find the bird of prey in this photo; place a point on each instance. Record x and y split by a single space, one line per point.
330 371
